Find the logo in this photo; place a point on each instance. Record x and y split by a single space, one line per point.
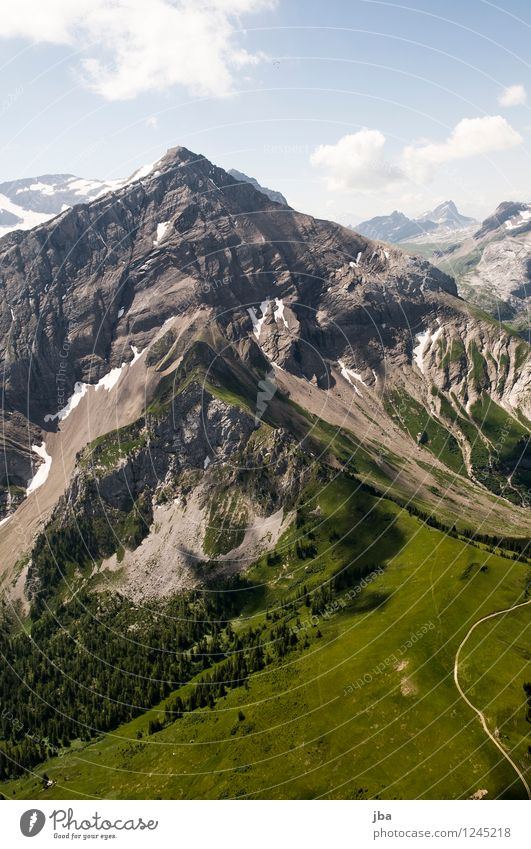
267 388
32 822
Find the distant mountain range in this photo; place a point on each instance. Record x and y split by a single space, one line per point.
31 201
490 260
397 227
492 265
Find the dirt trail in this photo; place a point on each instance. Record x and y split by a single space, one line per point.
476 710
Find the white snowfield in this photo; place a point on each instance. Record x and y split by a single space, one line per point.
278 312
258 322
350 376
43 471
140 173
28 218
108 382
43 188
137 354
278 315
79 391
162 229
424 342
519 219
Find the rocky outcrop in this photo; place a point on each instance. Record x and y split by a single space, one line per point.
273 195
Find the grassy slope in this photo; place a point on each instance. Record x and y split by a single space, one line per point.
494 668
402 733
304 734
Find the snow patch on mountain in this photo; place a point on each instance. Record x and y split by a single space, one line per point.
80 390
43 471
424 342
350 376
162 229
26 219
518 220
278 313
258 322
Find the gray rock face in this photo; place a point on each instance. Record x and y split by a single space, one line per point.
277 197
196 426
99 274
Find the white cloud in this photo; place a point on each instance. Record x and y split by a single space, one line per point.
136 46
470 137
513 95
356 162
152 122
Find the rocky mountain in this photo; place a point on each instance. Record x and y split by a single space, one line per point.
235 436
493 264
393 228
511 217
436 224
447 216
175 332
278 197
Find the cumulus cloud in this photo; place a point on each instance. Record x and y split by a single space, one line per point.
356 161
470 137
513 95
136 46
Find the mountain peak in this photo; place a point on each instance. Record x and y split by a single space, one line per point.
397 227
447 214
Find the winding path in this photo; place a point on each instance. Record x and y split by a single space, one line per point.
475 709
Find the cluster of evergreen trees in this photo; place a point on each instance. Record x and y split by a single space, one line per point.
98 661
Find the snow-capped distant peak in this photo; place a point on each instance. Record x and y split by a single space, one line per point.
26 203
31 201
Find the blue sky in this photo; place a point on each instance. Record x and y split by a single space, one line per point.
352 109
